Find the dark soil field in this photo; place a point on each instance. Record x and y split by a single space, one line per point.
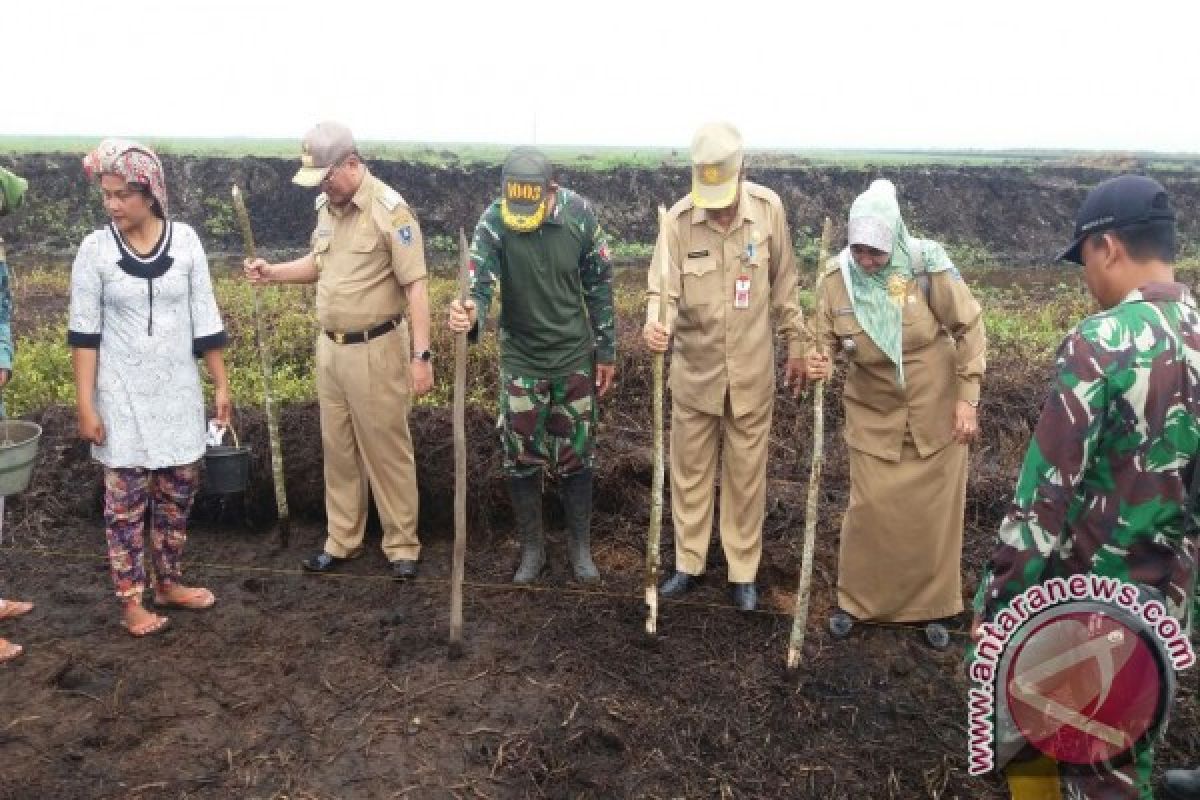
297 686
305 687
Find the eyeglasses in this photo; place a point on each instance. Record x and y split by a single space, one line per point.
332 169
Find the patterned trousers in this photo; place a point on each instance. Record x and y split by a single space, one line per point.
127 493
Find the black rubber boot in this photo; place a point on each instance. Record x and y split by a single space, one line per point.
577 506
526 496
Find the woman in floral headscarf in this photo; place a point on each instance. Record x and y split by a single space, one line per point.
142 311
913 335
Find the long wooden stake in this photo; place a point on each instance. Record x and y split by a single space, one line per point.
800 618
264 359
460 459
654 535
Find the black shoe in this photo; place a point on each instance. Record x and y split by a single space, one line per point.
322 562
404 569
840 624
1183 784
937 636
677 584
745 596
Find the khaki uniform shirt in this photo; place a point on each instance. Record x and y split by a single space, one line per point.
720 348
366 253
944 347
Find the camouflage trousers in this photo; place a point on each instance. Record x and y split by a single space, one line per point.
547 423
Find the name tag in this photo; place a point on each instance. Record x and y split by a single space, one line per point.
741 291
697 254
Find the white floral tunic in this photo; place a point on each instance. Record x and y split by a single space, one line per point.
149 318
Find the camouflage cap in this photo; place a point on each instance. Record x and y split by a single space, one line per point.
324 146
716 165
525 182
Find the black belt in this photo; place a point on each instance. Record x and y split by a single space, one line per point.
358 337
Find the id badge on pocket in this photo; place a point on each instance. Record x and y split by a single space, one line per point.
741 291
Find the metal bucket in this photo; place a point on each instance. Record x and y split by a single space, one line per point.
18 454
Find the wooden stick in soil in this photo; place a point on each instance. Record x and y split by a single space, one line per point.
264 359
460 459
654 535
800 617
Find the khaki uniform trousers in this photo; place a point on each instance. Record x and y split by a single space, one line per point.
365 395
694 439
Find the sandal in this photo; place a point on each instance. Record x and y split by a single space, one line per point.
155 624
14 608
9 650
196 599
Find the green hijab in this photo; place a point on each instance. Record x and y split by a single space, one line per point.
12 191
875 221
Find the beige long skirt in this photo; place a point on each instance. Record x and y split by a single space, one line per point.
901 545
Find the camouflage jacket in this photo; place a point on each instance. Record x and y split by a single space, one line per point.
1106 477
556 292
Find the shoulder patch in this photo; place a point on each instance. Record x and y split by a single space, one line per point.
389 198
684 205
401 216
761 192
322 199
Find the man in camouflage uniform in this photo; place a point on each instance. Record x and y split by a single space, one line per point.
1104 486
557 350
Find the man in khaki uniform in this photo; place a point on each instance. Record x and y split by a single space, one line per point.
368 262
730 262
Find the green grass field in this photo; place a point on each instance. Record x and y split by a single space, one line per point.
1025 323
602 158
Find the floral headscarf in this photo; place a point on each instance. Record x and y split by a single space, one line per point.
134 162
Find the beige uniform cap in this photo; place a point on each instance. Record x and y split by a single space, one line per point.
324 146
716 165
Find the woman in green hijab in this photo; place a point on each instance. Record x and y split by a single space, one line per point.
913 336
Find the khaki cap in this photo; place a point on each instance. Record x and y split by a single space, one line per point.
716 165
324 146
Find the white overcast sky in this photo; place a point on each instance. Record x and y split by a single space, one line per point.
923 74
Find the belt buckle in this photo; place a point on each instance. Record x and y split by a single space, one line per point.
339 337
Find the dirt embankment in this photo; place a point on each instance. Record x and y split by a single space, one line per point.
1013 215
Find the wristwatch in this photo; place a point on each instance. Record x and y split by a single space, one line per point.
424 355
972 403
